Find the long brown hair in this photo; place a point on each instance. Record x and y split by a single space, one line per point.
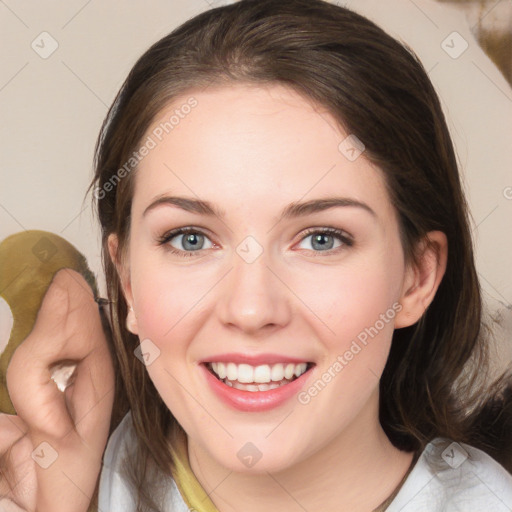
435 380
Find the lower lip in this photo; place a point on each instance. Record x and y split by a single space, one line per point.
254 401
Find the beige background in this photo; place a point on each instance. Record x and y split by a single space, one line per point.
51 110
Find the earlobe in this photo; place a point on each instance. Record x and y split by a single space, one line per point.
422 280
113 245
131 319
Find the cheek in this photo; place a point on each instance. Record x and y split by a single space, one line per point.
358 306
166 296
167 303
349 300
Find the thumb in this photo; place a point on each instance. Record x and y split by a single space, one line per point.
67 329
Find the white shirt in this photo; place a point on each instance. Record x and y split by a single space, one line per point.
447 477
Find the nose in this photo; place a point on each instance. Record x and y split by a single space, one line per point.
253 297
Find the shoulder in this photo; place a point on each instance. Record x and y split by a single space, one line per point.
115 492
450 476
119 440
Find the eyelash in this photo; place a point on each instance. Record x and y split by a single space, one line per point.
346 240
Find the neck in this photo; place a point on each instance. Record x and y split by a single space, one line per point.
355 471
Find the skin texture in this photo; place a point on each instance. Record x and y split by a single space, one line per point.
251 151
60 475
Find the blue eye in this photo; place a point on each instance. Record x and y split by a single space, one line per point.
184 241
188 240
323 240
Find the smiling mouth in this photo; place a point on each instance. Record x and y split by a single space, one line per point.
257 378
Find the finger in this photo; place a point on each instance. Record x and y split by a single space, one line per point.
75 472
31 390
65 330
12 428
6 505
67 299
18 478
69 430
90 397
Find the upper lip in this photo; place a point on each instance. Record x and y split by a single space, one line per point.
254 359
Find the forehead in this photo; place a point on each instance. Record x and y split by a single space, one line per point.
244 141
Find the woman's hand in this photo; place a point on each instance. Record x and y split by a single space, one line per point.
51 451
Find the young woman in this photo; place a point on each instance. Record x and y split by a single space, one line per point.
295 308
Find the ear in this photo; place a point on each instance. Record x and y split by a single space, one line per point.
423 279
124 278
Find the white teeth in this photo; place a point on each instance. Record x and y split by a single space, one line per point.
245 373
221 370
232 371
255 387
300 369
262 374
277 372
289 371
245 387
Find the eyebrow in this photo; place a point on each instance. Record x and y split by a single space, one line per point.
292 210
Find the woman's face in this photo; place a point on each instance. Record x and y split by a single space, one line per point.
265 286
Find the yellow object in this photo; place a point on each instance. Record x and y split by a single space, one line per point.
28 262
190 489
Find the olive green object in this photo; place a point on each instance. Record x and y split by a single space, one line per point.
28 262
